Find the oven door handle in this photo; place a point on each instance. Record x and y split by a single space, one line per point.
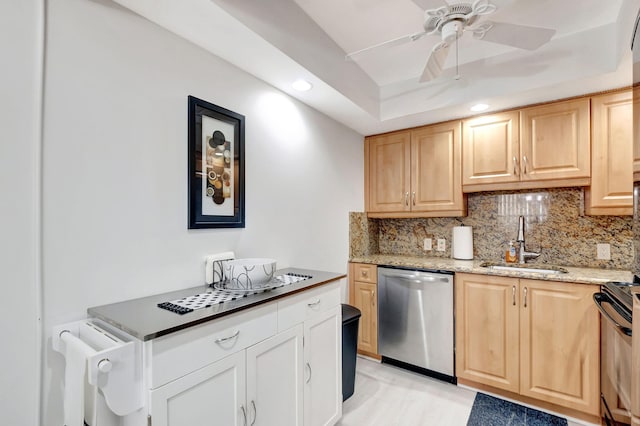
599 299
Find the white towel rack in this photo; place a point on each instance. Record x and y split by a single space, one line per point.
114 362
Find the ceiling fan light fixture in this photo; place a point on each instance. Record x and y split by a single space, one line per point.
301 85
451 31
479 107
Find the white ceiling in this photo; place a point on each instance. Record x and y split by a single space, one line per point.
281 40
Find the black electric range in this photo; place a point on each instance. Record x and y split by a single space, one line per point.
621 292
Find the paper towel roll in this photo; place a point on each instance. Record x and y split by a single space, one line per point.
462 243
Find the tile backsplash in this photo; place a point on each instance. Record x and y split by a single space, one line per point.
555 226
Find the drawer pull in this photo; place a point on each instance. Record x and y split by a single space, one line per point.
244 414
314 304
224 339
255 412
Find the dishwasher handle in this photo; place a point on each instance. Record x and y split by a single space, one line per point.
418 278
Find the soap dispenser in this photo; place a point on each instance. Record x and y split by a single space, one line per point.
511 255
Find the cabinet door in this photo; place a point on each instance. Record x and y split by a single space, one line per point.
611 147
560 344
636 134
490 151
274 380
436 168
323 365
212 395
555 141
487 330
365 299
389 172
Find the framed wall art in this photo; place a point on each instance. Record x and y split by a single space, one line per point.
216 166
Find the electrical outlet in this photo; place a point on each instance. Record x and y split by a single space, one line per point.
442 244
603 251
427 244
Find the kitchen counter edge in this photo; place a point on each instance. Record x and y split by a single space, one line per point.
144 320
574 274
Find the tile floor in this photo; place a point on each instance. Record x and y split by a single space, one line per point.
389 396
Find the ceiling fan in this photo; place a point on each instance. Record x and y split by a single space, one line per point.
451 20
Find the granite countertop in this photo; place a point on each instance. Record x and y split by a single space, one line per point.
573 275
143 319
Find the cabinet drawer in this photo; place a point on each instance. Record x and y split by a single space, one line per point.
366 273
296 309
180 353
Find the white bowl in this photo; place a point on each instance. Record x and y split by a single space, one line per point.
247 274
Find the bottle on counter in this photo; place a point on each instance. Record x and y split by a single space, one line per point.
511 255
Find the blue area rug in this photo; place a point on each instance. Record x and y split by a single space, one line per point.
490 411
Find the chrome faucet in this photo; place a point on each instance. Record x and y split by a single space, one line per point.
523 254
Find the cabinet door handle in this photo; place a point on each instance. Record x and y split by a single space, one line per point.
309 367
255 412
515 166
524 164
525 297
513 295
413 197
313 304
224 339
373 298
244 414
406 198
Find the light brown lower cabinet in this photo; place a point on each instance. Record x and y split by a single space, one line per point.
363 295
366 300
538 339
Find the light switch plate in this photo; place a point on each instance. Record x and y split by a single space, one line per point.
427 244
442 244
603 251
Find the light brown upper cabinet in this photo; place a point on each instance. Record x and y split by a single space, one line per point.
611 191
537 147
491 149
415 173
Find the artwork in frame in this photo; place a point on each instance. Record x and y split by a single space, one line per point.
216 166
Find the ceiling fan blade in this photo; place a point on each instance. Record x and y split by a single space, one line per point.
389 43
435 62
430 4
521 36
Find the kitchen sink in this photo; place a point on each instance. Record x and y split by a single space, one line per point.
535 269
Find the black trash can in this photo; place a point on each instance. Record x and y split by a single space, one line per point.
350 319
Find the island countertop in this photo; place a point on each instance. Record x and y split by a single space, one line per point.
573 275
143 319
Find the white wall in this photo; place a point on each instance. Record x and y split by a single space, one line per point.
115 168
21 35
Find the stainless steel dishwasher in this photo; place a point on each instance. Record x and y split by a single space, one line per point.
415 318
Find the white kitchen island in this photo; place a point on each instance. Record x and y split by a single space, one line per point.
273 358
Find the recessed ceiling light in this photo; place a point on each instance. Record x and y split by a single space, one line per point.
301 85
479 107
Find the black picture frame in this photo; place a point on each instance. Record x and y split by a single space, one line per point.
215 166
